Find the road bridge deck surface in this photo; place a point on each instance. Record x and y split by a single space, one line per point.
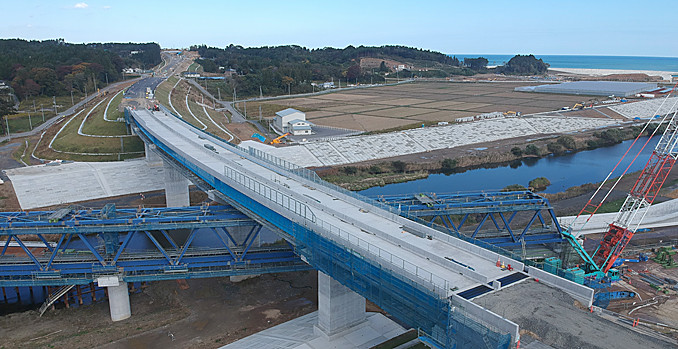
447 266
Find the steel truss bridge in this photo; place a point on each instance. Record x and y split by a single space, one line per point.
76 246
506 219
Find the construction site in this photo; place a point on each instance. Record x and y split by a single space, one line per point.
551 267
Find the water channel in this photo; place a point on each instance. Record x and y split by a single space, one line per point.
563 171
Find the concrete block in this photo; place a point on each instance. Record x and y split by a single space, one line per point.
107 281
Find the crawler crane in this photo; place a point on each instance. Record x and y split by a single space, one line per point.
635 207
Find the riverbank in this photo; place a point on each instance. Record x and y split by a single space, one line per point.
508 152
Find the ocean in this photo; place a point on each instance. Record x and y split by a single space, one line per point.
591 62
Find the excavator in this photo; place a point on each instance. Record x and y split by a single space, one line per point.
599 264
278 140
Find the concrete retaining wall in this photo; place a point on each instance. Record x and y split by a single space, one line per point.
579 292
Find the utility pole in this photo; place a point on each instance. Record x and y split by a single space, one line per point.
261 93
30 123
235 95
259 112
106 79
219 92
7 123
245 107
34 106
43 113
55 106
85 90
95 84
289 88
72 102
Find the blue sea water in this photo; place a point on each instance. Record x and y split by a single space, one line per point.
591 62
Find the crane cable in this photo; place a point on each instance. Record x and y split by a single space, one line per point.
620 160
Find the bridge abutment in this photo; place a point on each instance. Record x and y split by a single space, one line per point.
339 308
176 188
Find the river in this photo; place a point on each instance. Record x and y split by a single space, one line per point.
563 171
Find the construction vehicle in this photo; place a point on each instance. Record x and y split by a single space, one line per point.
278 140
643 193
577 106
512 113
155 107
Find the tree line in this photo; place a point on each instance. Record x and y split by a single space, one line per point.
274 70
55 68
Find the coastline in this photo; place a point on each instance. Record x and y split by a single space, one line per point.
666 75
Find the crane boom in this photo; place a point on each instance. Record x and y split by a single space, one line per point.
640 198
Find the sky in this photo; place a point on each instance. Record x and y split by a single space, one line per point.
546 27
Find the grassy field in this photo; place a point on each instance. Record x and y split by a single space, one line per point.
96 125
162 91
47 102
113 112
195 67
69 140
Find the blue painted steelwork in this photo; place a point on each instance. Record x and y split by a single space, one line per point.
501 208
137 244
419 307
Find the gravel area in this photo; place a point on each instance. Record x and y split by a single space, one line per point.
552 317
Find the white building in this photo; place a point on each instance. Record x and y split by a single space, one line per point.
299 127
292 121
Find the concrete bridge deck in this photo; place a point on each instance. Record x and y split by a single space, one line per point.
453 270
347 221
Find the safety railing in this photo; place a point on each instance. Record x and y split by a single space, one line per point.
281 199
437 284
308 219
313 177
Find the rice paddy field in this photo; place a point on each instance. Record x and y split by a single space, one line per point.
413 104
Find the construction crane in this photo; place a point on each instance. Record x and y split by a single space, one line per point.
277 140
638 201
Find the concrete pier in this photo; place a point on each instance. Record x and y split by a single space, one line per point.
151 156
118 297
339 308
176 188
118 301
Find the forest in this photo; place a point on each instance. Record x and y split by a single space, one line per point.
55 67
291 69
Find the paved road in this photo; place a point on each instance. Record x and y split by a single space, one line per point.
66 112
138 90
237 117
174 60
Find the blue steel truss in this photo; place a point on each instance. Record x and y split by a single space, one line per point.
515 216
411 303
71 246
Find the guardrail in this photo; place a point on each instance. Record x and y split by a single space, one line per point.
274 195
309 220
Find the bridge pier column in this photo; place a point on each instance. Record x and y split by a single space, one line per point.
176 188
339 308
118 297
151 156
118 302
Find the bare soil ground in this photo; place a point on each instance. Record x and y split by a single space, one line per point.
414 103
209 314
